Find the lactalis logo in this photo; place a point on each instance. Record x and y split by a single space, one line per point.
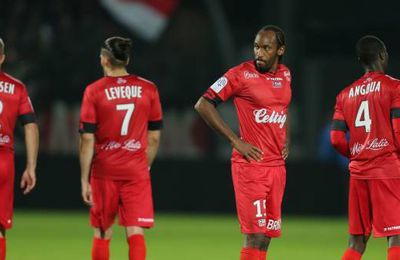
263 116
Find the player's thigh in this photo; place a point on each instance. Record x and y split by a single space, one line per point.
105 202
6 189
385 196
274 200
360 207
252 186
136 206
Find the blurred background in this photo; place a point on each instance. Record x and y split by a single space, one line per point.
184 46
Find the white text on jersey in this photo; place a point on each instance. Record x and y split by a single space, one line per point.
262 116
364 89
123 92
6 87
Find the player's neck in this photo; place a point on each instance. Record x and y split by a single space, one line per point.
116 72
375 68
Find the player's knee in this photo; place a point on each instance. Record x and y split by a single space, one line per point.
394 241
358 242
103 234
2 231
134 230
259 241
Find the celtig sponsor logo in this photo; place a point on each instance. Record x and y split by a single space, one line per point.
4 139
263 116
374 144
274 224
250 75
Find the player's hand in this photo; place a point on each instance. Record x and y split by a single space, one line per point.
285 152
87 193
28 180
248 151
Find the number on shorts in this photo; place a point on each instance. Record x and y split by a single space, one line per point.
363 119
258 204
129 111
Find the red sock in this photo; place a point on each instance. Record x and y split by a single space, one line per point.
394 253
2 248
101 249
351 254
250 254
263 255
137 247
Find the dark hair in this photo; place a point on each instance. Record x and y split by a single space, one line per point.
368 49
119 50
279 34
1 47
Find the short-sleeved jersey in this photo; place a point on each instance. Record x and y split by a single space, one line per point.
364 109
14 104
261 101
120 111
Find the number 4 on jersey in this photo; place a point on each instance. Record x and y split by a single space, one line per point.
129 111
363 119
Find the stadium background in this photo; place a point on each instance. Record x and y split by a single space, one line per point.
53 46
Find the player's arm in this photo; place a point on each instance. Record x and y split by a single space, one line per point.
28 180
338 137
285 151
153 142
395 115
86 152
210 114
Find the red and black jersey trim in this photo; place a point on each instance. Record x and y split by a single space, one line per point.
339 125
87 128
27 118
155 125
395 113
215 101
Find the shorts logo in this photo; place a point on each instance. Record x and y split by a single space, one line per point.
391 228
274 224
147 220
219 84
262 222
1 107
4 139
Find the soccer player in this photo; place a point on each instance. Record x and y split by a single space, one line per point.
120 126
14 105
261 91
370 110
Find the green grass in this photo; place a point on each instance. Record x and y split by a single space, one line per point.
66 235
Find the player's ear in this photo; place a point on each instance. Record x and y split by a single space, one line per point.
2 58
281 50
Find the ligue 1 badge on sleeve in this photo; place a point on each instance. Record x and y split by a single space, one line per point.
219 84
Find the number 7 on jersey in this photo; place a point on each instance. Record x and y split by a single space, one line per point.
129 111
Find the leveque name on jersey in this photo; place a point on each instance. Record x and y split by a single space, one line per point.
273 117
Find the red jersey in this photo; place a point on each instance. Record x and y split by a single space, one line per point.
14 104
364 108
120 111
261 101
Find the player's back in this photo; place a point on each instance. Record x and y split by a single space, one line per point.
366 106
123 108
14 102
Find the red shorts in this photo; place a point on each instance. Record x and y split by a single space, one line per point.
6 188
374 205
259 193
131 200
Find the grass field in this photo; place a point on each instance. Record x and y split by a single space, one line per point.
66 235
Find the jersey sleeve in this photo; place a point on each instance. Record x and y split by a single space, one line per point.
88 117
338 122
155 116
26 112
222 89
